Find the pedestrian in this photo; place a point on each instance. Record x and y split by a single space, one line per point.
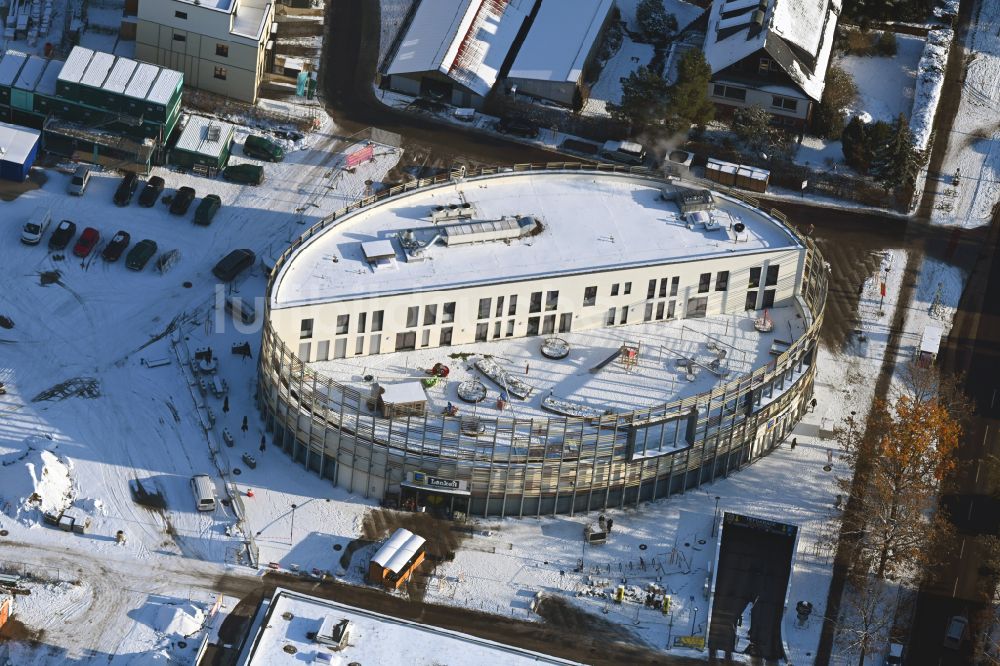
225 405
813 404
610 523
794 442
527 368
245 427
263 445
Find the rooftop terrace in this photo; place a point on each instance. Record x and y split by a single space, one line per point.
589 222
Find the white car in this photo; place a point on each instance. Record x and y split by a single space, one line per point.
34 228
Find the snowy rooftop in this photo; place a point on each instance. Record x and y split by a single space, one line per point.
166 84
373 638
248 19
464 39
560 39
10 66
658 377
221 5
120 75
798 34
16 142
206 136
47 84
589 222
31 73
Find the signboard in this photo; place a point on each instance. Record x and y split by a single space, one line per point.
692 642
759 524
360 156
437 482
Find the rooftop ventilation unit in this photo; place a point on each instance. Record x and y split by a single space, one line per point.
214 132
378 253
690 201
483 231
333 633
462 211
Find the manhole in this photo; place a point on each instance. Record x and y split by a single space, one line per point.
701 542
687 545
287 616
290 649
642 546
827 468
337 546
182 644
237 471
186 284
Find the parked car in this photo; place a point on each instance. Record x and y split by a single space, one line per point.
626 152
126 189
517 127
249 461
955 633
113 250
263 149
207 209
62 235
248 174
34 228
182 200
81 178
290 134
233 264
151 193
86 242
139 256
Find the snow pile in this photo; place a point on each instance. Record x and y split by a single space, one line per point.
179 621
35 482
930 80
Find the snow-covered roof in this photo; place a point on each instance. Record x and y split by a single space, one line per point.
403 393
398 550
561 36
467 40
797 34
373 638
206 136
76 64
97 70
590 222
221 5
166 84
144 76
16 142
31 73
47 84
10 66
119 76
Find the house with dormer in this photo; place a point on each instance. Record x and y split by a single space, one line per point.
770 53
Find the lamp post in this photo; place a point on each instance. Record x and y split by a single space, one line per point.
291 531
694 618
715 521
882 288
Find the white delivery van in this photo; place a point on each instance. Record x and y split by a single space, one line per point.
627 152
81 177
36 225
204 492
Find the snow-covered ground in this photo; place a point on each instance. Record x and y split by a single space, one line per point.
608 89
684 12
885 84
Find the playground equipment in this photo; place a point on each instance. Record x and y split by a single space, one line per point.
764 323
628 353
555 348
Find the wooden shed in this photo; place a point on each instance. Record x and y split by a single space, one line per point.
396 560
403 399
6 609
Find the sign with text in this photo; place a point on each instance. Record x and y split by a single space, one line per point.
360 156
692 642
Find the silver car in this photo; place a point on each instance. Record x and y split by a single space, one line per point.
81 177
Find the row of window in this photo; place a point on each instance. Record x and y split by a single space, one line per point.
740 94
221 50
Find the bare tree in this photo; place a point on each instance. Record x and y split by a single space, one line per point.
866 616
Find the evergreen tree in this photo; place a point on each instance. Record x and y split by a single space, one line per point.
689 103
897 161
752 124
644 99
654 21
839 91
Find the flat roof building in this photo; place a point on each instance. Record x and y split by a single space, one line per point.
204 144
292 628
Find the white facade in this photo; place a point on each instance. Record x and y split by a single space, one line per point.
220 45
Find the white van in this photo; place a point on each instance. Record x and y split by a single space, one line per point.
627 152
241 308
81 177
204 492
36 225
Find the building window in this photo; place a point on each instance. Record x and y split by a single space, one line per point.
412 315
651 290
754 278
362 321
549 325
784 103
323 350
751 302
340 348
180 15
445 338
222 50
565 322
628 288
551 301
304 349
670 309
374 344
768 298
447 313
722 280
674 283
306 329
499 310
590 296
535 305
729 92
425 338
624 318
610 320
406 340
697 307
659 310
663 287
180 38
430 315
220 73
512 306
484 308
510 328
614 289
359 345
704 282
648 314
377 321
764 65
772 276
533 325
496 330
343 323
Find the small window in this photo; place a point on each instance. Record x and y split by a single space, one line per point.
663 287
340 348
425 338
610 320
499 310
445 338
765 65
628 288
614 289
510 328
552 301
323 350
772 276
306 329
651 290
697 307
590 296
674 283
648 315
181 38
430 315
768 298
496 330
624 318
565 322
549 325
536 302
484 308
512 306
222 50
670 309
533 325
751 302
754 278
377 321
362 321
343 323
180 15
448 313
704 282
221 73
406 341
659 310
359 345
722 280
412 314
784 103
